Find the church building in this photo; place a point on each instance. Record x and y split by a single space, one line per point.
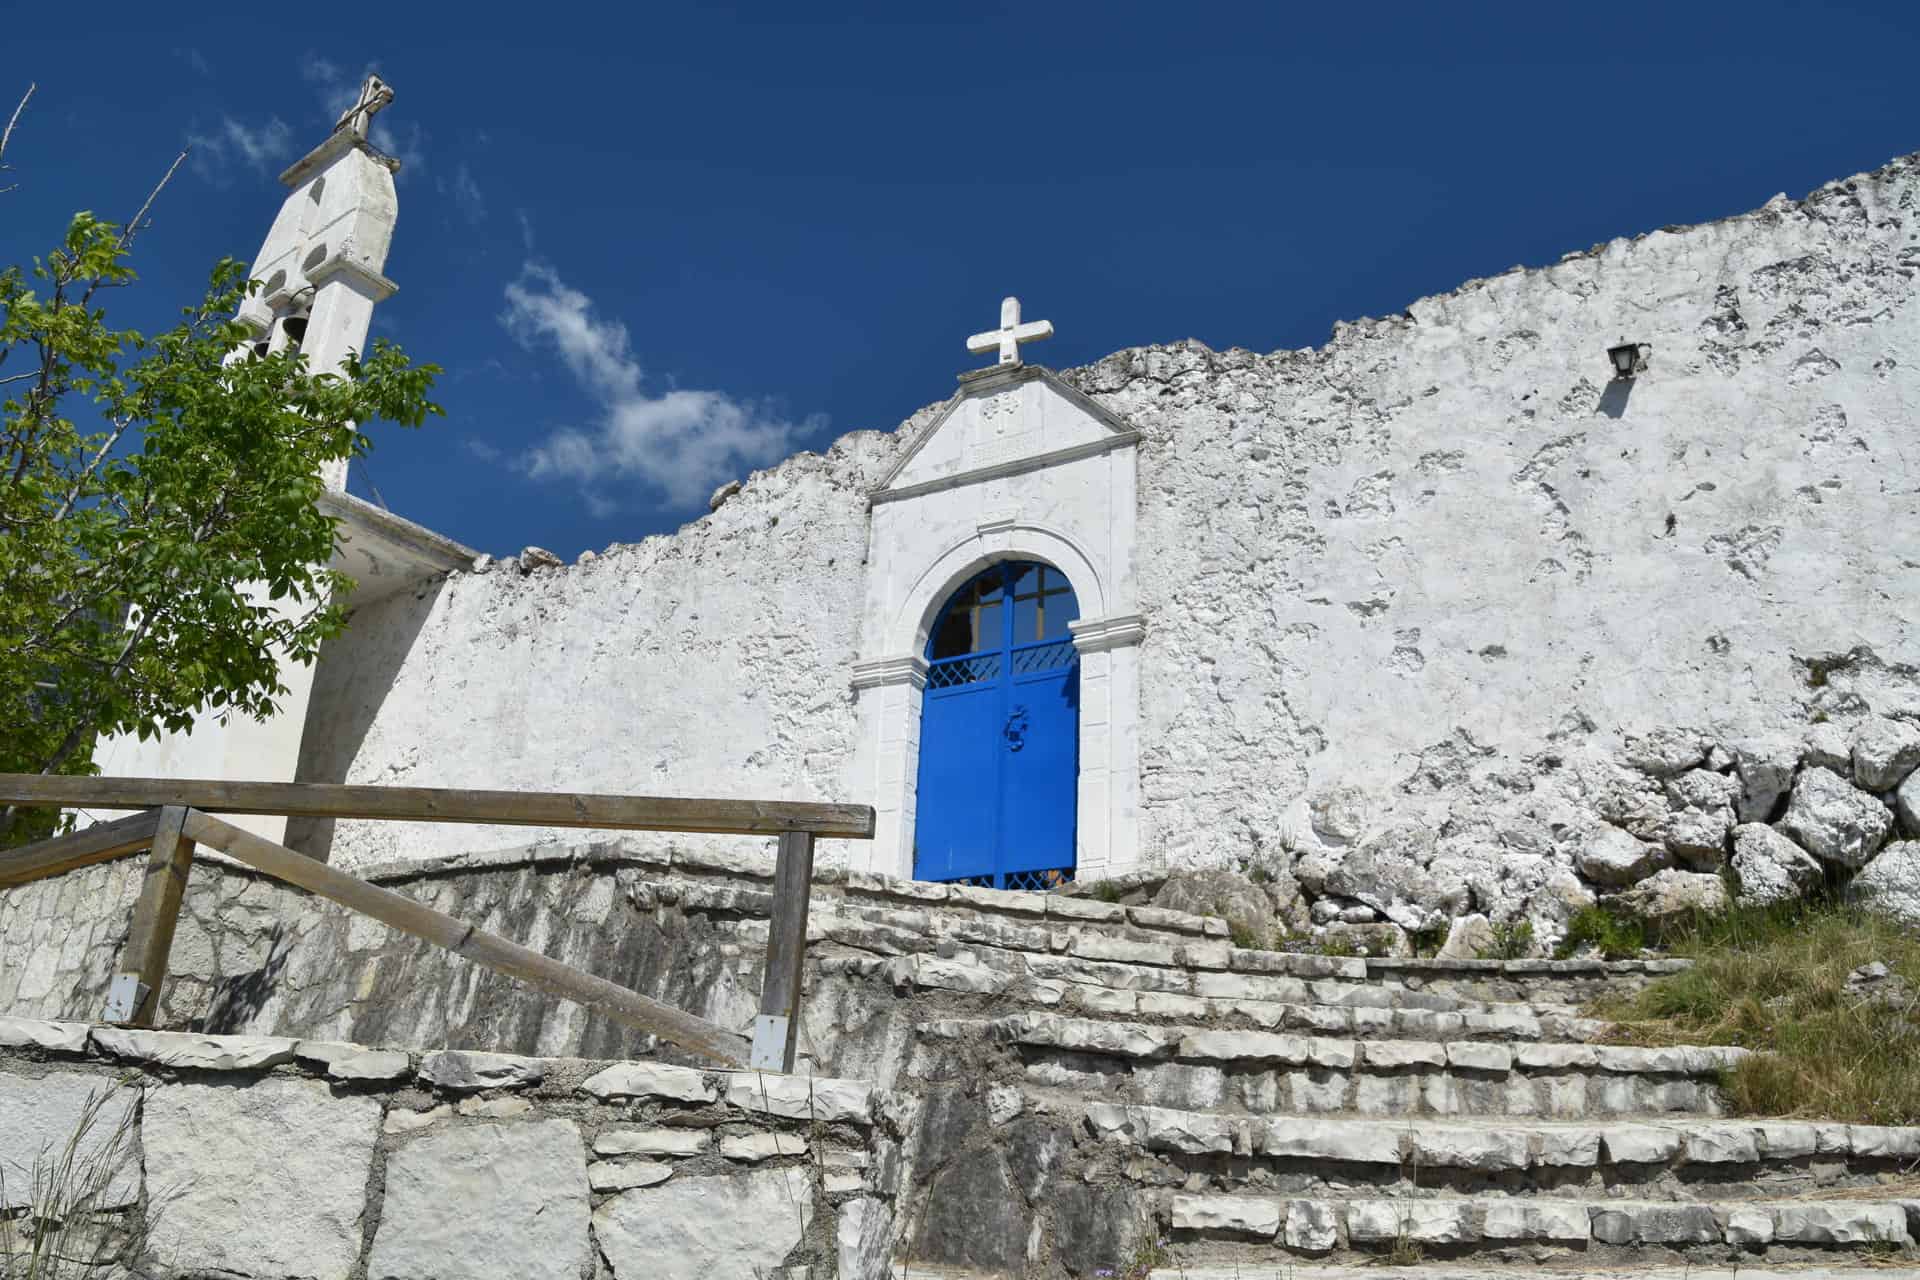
1388 617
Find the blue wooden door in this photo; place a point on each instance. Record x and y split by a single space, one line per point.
1000 733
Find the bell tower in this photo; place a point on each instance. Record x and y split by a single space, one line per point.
320 267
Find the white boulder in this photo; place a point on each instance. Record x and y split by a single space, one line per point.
1670 896
1884 753
1834 820
1771 867
1890 884
705 1228
1765 766
1610 856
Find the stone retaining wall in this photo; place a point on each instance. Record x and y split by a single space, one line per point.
258 1156
254 955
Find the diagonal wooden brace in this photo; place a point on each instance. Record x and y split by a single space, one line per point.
134 997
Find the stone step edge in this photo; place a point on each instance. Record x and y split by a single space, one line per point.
1472 1020
1320 1226
453 1071
1029 905
1537 1144
1746 1268
1155 1042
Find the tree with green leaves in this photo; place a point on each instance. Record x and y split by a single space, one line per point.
161 550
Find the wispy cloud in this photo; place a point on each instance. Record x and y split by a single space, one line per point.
683 443
468 196
526 228
195 59
265 148
339 88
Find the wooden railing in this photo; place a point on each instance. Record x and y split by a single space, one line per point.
176 819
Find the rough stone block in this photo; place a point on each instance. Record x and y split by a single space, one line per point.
623 1175
1884 1142
1099 946
1312 1226
1884 753
1165 1129
649 1080
652 1142
1470 1148
1235 1215
1567 1148
1085 909
1173 921
1392 1054
486 1201
1469 1055
353 1061
802 1097
1536 1220
751 1148
1640 1144
1721 1144
40 1115
863 1240
193 1051
1358 1141
37 1033
1422 1221
463 1071
1636 1223
1840 1222
266 1180
1747 1226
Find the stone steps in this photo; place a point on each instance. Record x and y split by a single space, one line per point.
1648 1156
1523 1229
1323 1006
1268 1072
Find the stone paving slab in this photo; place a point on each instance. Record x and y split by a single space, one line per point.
1559 1271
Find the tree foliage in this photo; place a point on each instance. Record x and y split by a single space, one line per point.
159 539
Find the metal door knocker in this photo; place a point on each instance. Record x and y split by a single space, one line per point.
1016 730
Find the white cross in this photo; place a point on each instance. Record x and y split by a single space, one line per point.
1010 334
358 118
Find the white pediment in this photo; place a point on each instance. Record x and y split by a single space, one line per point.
1002 422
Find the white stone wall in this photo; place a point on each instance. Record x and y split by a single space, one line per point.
1448 537
1443 545
714 662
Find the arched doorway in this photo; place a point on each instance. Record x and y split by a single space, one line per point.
1000 733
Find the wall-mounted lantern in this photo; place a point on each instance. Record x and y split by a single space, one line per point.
1629 358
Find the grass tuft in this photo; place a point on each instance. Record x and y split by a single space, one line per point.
1511 940
1615 934
1105 891
1775 979
64 1229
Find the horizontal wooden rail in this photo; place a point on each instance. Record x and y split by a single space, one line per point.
446 804
496 953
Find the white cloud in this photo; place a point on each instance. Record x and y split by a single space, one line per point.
195 59
468 196
264 149
684 443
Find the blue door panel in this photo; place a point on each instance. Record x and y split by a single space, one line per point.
1000 734
956 827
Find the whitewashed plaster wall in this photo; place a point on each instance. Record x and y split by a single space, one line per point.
713 662
1446 544
1443 544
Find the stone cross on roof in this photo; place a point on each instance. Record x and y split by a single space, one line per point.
358 118
1010 334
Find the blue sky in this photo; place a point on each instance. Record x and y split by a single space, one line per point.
656 246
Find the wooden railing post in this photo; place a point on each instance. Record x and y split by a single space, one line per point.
776 1032
134 997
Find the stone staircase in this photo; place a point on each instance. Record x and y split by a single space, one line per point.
1238 1112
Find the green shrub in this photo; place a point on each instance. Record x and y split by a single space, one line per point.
1512 940
1244 935
1105 891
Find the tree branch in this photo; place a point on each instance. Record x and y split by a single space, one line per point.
7 135
133 228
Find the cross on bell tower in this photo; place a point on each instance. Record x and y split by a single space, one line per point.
1011 333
